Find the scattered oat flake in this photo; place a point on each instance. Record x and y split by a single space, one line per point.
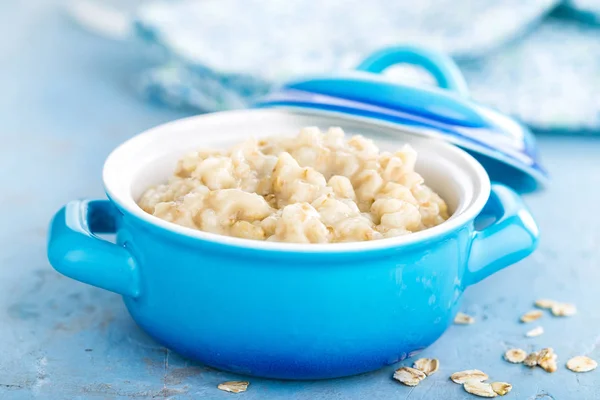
409 376
563 310
546 353
531 316
468 375
480 389
427 365
547 360
234 386
532 359
515 356
463 319
535 332
501 388
548 365
581 364
545 303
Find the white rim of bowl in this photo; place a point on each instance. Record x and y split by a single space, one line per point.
453 223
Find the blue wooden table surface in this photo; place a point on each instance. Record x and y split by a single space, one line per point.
67 101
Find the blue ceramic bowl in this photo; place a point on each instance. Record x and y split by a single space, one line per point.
285 310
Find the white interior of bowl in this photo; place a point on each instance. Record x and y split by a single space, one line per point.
150 158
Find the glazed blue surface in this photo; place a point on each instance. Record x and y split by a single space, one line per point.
441 67
73 245
444 112
287 314
60 339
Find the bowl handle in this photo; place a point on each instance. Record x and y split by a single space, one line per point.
510 238
440 66
75 251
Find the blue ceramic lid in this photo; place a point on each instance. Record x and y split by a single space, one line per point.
504 147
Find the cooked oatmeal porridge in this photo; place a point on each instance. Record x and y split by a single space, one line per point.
312 188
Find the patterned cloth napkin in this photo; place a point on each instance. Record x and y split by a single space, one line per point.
536 60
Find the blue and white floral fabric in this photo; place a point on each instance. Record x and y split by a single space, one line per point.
537 60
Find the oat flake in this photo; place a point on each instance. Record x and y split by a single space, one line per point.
535 332
548 365
234 386
501 388
468 375
463 319
546 353
532 359
545 303
409 376
531 316
581 364
427 365
564 310
515 356
547 360
480 389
